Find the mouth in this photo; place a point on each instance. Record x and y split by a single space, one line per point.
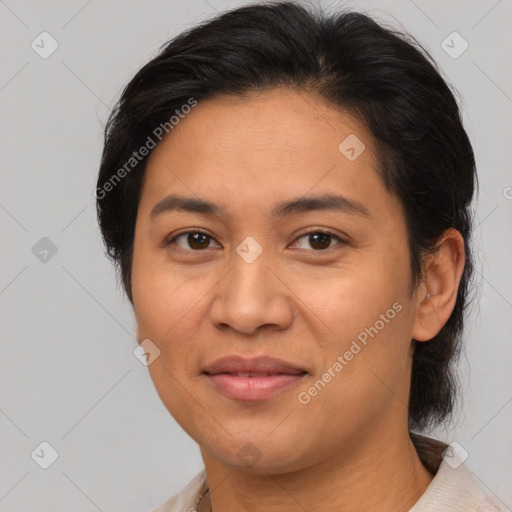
252 379
251 374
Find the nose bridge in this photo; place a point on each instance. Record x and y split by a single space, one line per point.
250 275
250 295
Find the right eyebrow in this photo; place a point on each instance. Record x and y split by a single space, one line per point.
174 202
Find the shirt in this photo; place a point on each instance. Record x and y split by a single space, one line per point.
453 489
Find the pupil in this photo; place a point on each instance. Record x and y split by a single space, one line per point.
194 238
324 240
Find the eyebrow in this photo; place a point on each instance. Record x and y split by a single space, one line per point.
298 205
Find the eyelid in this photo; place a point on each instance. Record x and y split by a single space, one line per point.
326 231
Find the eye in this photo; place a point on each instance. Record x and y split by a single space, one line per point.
320 240
197 240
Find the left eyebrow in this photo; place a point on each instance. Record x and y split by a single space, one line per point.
324 202
298 205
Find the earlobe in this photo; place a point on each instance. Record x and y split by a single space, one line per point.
437 294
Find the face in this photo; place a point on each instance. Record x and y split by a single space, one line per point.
322 286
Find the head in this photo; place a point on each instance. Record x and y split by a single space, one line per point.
267 113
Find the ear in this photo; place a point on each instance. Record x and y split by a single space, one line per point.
437 293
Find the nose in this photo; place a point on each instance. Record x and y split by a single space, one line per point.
252 297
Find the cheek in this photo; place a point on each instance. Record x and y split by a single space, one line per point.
164 311
160 296
367 321
170 311
364 373
346 301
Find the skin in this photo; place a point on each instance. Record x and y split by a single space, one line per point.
348 448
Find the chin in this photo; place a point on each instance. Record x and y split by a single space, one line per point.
259 454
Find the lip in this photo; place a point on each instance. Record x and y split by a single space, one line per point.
263 364
231 377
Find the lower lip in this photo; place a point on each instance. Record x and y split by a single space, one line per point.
253 388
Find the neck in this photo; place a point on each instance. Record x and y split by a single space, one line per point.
385 475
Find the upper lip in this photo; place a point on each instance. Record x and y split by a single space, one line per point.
238 364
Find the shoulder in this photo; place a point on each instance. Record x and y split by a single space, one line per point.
188 498
454 487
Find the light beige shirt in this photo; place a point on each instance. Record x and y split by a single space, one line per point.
453 489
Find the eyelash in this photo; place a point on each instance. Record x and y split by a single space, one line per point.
314 231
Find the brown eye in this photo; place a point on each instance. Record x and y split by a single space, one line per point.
319 240
195 240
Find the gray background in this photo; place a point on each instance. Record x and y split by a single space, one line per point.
68 374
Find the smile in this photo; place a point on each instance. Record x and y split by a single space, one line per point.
253 386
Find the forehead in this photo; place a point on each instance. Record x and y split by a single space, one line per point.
263 147
275 122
